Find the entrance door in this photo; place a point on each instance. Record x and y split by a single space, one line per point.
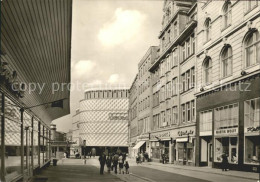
210 151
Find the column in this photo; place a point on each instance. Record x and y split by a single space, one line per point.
170 152
2 138
22 142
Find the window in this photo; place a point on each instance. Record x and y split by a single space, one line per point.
226 117
250 5
207 29
188 80
252 49
174 115
175 58
228 145
227 14
252 113
188 112
174 86
188 47
192 77
193 111
207 66
183 82
183 52
252 150
183 113
226 61
206 121
193 44
175 29
168 111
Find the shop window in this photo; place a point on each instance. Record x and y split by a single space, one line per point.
252 149
206 121
252 113
226 117
190 151
227 145
180 151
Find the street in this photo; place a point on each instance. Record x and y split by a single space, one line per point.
75 170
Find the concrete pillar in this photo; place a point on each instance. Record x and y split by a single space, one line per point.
170 152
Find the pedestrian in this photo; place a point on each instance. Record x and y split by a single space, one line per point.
126 167
102 161
224 162
109 162
115 162
163 158
121 163
65 155
142 157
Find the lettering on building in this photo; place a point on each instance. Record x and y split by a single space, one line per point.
117 116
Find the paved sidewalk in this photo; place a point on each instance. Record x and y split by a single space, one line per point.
160 166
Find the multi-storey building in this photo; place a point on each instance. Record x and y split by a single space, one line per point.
228 83
140 96
101 123
173 80
132 114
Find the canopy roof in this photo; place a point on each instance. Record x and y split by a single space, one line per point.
36 43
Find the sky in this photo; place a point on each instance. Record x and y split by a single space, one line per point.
109 39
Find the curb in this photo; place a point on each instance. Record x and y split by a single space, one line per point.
204 171
146 179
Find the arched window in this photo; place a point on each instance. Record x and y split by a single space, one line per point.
226 61
207 29
252 49
227 14
207 66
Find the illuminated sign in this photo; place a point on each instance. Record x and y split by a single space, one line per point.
160 135
187 132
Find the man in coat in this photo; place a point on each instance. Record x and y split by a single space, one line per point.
102 161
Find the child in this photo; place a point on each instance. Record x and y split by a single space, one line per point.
126 167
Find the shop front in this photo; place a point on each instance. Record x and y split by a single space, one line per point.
142 145
161 144
226 134
251 134
184 145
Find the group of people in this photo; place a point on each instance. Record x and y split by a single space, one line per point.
112 161
141 157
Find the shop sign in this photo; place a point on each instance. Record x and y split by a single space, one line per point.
117 116
159 136
185 133
10 80
226 131
252 129
144 136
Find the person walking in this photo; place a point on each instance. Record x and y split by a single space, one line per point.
109 162
115 162
102 161
126 167
121 163
224 162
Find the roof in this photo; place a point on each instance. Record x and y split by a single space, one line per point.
36 38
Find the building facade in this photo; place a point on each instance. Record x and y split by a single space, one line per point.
101 123
228 84
27 57
173 81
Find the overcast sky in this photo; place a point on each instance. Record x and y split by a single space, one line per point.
109 38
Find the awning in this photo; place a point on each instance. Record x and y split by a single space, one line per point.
138 145
182 139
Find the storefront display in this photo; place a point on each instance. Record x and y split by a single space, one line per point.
251 131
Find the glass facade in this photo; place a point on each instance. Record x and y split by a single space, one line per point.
20 141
